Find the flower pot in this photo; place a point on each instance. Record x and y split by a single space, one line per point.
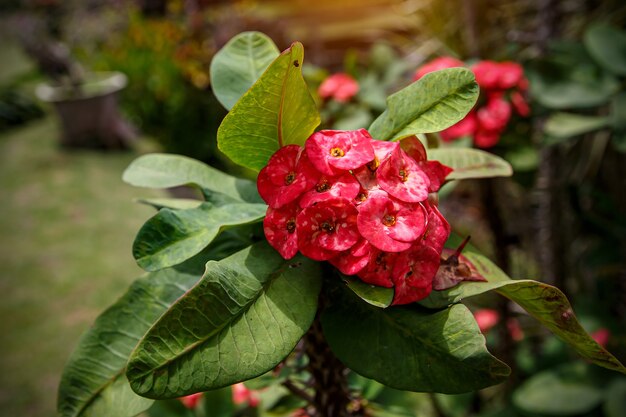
89 112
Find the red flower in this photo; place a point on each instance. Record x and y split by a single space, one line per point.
389 225
366 208
328 187
413 274
601 336
354 259
436 65
510 75
486 319
466 127
243 395
327 228
334 151
487 74
402 177
287 175
438 229
519 104
279 226
379 268
340 87
191 401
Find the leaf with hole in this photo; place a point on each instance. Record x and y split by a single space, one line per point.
243 317
433 103
278 110
173 236
237 66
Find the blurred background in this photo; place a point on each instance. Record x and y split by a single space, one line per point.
87 86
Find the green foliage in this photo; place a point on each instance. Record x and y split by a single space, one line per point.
410 348
471 163
607 45
435 102
589 77
173 236
278 110
566 125
565 391
542 301
168 94
165 171
237 66
376 296
238 322
93 382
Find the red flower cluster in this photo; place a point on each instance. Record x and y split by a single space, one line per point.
502 84
361 204
340 87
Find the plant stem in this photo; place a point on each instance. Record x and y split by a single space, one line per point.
332 396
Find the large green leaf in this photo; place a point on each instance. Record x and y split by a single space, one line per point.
566 391
567 125
570 93
173 236
93 382
607 45
471 163
164 171
245 315
237 66
411 348
435 102
278 110
542 301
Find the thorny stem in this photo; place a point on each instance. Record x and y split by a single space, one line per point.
331 393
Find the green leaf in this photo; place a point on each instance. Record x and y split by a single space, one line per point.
93 382
615 405
237 66
567 125
219 403
278 110
607 45
564 391
542 301
435 102
471 163
372 294
618 112
173 236
164 171
171 203
574 93
245 315
411 348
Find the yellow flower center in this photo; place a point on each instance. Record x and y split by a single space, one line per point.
337 152
289 178
389 220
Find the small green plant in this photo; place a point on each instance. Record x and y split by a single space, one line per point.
328 294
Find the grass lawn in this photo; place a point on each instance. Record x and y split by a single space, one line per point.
67 223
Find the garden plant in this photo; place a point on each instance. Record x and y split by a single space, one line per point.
331 275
